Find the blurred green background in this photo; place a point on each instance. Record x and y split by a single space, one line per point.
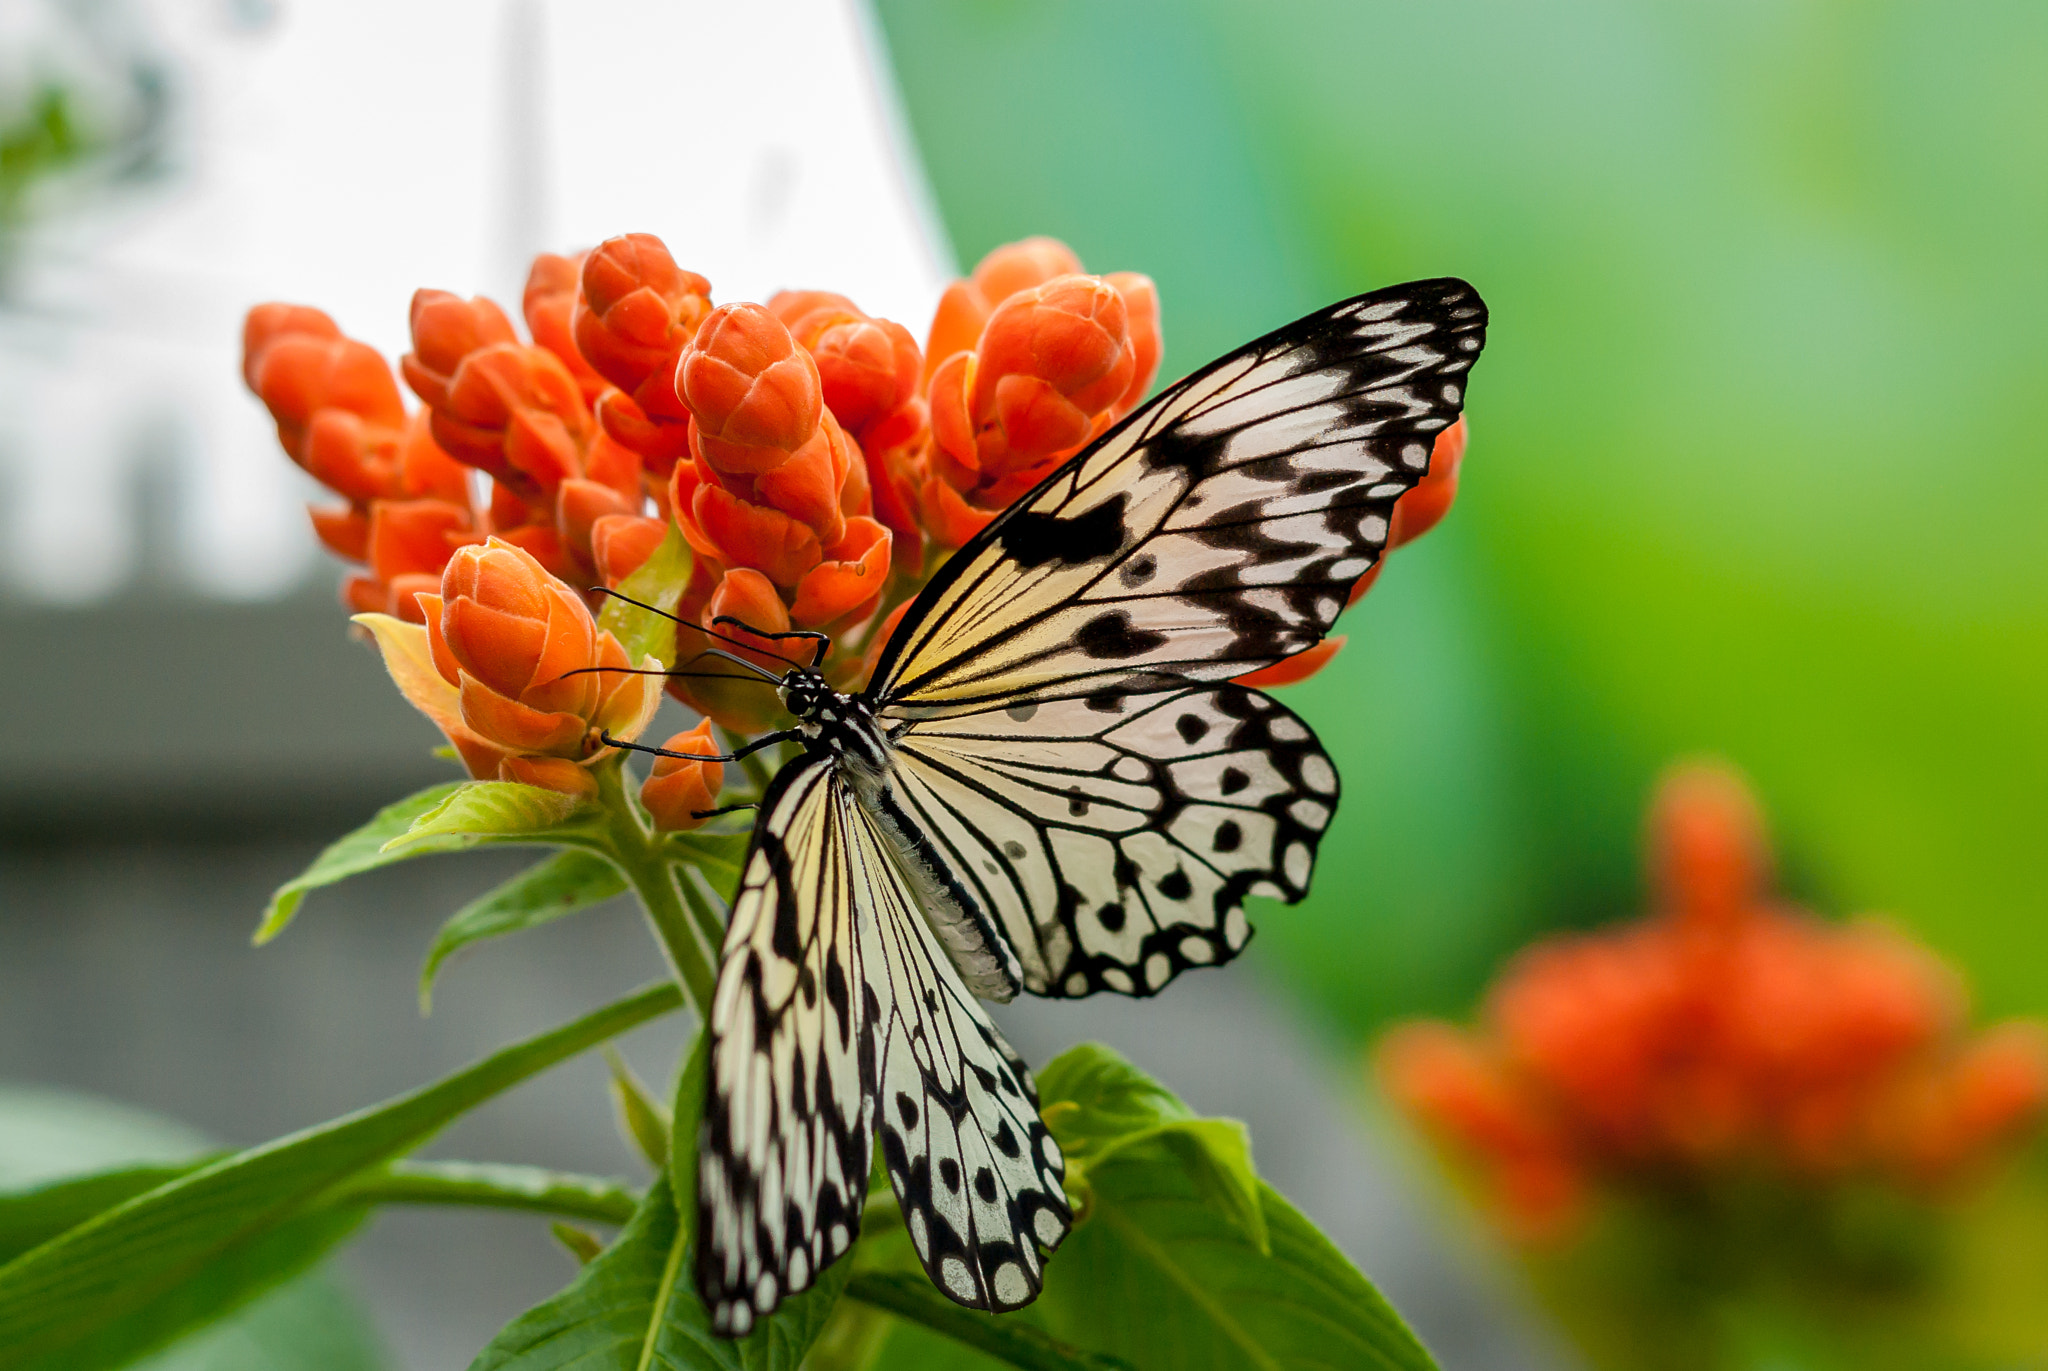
1757 439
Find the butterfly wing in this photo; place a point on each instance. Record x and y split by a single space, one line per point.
1215 531
784 1145
835 998
1114 839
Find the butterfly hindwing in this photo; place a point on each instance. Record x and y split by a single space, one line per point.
975 1172
1115 839
838 1014
1215 531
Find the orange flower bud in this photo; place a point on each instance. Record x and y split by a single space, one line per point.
965 307
867 369
825 307
414 537
579 504
621 543
500 615
637 310
754 393
345 531
515 412
1141 303
549 304
677 790
445 329
848 584
1051 359
1420 510
299 375
1707 850
740 702
266 323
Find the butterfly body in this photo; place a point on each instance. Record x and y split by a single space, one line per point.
1052 783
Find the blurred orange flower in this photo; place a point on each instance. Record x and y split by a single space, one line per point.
1725 1032
503 666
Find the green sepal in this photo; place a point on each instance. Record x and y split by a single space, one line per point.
658 581
503 811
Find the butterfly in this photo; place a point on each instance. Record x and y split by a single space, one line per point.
1050 784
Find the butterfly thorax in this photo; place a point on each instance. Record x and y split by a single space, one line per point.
844 728
836 724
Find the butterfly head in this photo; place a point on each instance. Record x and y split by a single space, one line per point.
804 693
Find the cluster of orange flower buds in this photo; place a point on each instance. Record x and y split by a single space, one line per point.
339 416
808 453
515 671
1722 1035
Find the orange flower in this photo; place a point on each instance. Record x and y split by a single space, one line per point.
549 304
1027 361
519 413
1723 1033
676 791
635 312
503 666
964 309
870 378
339 416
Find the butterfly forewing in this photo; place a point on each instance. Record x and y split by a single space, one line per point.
1216 531
1116 839
785 1141
838 1014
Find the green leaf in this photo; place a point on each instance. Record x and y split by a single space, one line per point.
223 1286
36 1214
636 1309
363 850
1165 1271
717 855
1164 1268
562 884
643 1119
54 1296
477 811
913 1297
1097 1104
658 581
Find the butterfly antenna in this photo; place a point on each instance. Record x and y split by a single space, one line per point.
675 619
649 671
765 740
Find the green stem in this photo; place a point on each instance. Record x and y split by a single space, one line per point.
636 848
493 1185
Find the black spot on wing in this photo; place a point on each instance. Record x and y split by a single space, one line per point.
1033 539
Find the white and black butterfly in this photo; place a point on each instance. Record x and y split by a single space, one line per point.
1050 784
